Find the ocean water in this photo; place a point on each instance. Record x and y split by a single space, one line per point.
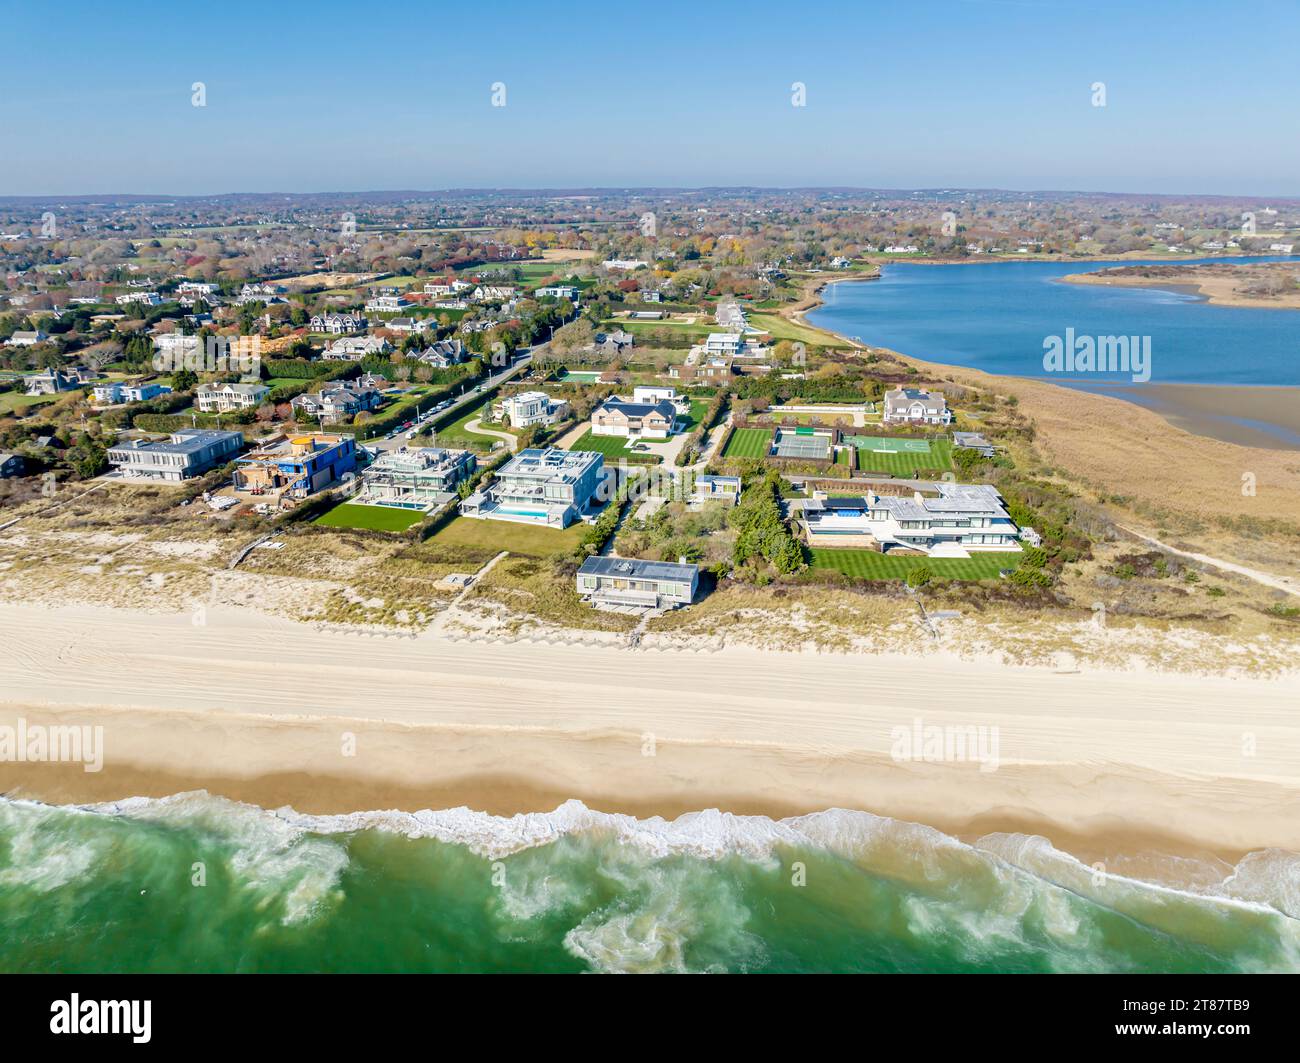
198 883
995 316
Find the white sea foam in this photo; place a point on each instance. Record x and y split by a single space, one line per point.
40 857
281 851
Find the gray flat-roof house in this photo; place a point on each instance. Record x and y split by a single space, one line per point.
550 487
715 489
189 452
626 582
415 478
916 406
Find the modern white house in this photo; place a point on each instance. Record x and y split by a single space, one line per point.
116 392
189 452
629 583
530 408
559 291
962 519
660 393
724 344
387 304
625 263
223 398
548 487
415 478
144 298
916 406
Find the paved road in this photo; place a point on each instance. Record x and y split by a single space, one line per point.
519 366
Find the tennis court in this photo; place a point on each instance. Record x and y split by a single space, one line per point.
802 443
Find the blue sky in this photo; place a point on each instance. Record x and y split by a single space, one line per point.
1200 97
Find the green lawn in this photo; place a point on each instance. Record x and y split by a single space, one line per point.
527 540
615 447
377 518
456 435
699 407
868 564
782 328
748 443
15 401
905 463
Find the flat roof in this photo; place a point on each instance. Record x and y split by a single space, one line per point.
634 568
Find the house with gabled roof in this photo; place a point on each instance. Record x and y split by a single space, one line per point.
916 406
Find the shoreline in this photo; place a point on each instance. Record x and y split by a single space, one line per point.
259 710
1204 419
1204 288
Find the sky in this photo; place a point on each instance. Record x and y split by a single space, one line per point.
1199 97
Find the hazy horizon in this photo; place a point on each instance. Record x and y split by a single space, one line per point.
965 94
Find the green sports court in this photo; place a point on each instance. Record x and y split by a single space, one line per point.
901 457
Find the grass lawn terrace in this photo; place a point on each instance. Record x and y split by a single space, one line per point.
905 462
374 518
526 540
868 564
748 443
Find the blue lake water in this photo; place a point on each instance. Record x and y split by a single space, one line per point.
996 316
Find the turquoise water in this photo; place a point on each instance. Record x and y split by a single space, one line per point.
995 316
196 883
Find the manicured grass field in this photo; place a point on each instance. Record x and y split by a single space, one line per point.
905 463
868 564
615 447
610 446
527 540
748 443
376 518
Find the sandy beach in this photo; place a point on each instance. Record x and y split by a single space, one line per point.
261 710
